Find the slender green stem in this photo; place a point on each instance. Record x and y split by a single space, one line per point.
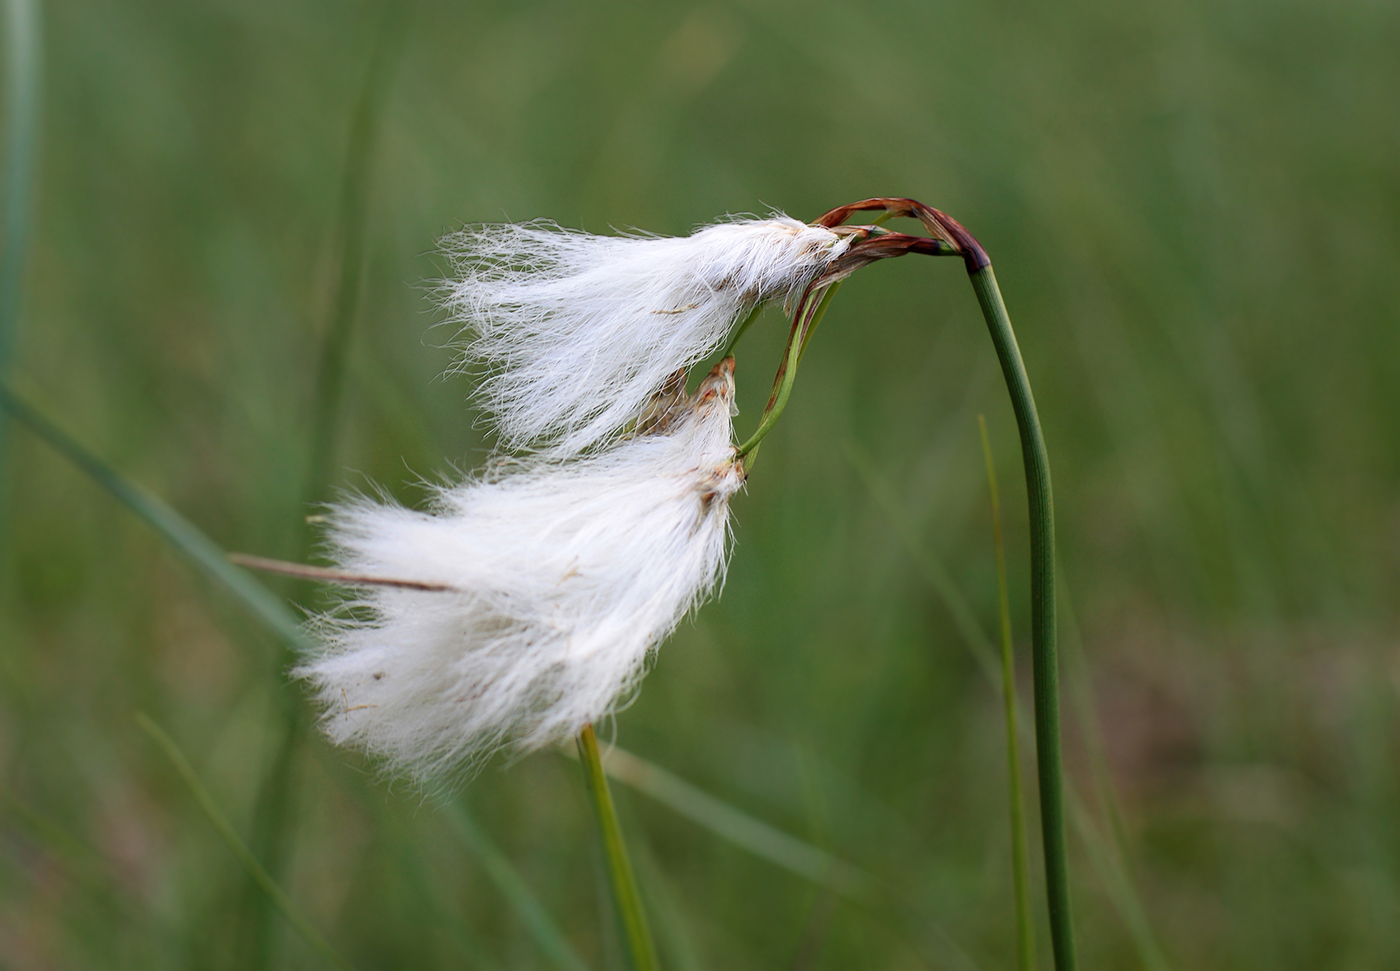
274 807
1045 664
352 227
240 849
774 411
817 317
24 64
624 885
804 321
1020 854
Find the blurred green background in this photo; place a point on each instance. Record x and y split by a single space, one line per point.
1194 211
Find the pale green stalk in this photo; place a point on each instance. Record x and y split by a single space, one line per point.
806 319
245 856
623 883
1020 854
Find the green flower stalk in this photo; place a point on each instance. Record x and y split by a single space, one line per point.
947 237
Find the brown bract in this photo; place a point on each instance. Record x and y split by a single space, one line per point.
946 237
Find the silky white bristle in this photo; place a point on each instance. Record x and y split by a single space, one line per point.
564 576
577 331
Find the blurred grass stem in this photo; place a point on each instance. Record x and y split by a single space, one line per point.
210 559
620 877
179 532
1020 855
274 810
352 220
23 76
757 837
537 921
245 856
1045 663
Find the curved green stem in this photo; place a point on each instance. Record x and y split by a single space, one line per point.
808 316
1045 665
1020 854
778 402
817 317
620 877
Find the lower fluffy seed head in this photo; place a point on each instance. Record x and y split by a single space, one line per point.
556 315
564 577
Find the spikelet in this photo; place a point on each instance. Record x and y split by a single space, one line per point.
556 316
563 577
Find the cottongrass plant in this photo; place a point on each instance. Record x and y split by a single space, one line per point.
521 607
528 597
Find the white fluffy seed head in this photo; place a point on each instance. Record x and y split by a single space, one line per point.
564 576
555 315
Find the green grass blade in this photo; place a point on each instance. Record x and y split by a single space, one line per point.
964 618
741 829
245 856
23 82
204 553
537 921
179 532
1020 854
1106 854
923 934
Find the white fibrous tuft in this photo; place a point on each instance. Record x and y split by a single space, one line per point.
563 576
555 316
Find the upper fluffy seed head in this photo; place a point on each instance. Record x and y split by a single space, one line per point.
558 316
564 575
